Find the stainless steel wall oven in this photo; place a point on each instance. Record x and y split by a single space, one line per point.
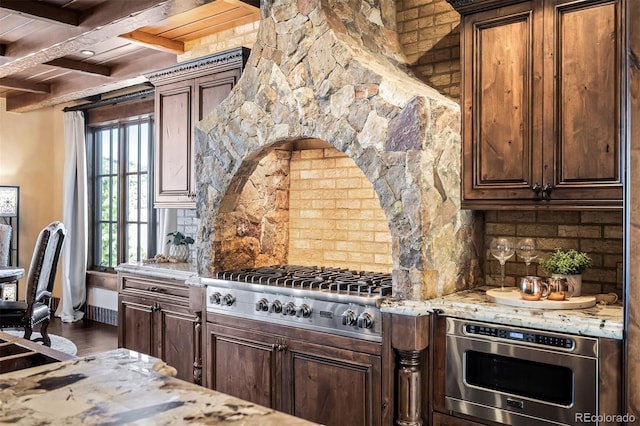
520 376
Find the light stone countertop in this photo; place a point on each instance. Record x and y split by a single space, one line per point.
177 271
121 387
598 321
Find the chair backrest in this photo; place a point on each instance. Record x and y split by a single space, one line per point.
44 263
5 244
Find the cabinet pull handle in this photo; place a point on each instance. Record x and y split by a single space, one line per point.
154 288
536 188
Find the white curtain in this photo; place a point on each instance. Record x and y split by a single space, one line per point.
75 218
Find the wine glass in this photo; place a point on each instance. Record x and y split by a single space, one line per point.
527 251
503 249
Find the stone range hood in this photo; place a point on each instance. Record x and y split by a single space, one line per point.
333 70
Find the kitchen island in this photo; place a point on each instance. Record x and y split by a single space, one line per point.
120 387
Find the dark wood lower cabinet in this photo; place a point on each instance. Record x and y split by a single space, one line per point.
156 318
327 379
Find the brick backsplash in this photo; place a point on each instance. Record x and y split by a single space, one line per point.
188 225
429 31
600 234
335 218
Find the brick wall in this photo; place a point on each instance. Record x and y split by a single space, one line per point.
335 218
429 31
600 234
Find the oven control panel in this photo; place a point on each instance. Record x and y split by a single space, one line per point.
520 335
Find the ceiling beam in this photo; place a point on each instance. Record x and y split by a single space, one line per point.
42 11
107 20
155 42
91 84
80 66
24 86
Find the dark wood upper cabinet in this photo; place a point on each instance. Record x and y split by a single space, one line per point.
184 95
543 97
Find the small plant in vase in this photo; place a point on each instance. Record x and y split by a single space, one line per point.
179 246
569 264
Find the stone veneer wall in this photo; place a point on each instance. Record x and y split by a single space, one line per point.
333 71
256 232
335 216
600 234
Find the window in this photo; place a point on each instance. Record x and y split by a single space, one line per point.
123 217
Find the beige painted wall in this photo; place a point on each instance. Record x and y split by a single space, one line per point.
32 157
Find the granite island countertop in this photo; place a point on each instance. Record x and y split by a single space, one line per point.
121 387
598 321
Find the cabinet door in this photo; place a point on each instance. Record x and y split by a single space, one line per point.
179 332
212 90
584 51
502 69
136 330
331 386
244 364
174 180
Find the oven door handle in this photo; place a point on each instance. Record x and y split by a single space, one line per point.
515 403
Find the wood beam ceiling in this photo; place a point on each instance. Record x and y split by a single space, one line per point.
42 11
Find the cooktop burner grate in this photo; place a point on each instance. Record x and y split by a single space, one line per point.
326 279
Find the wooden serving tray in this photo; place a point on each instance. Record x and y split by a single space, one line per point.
512 298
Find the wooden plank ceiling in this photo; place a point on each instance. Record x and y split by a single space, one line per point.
42 43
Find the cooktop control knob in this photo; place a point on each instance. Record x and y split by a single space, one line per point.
262 305
215 298
303 311
275 306
228 299
289 309
349 317
365 320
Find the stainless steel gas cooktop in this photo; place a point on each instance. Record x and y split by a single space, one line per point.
332 300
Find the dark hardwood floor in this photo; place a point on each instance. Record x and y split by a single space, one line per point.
90 337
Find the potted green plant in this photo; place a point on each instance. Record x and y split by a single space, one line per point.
568 263
179 246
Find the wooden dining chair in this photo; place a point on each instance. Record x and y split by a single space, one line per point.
36 308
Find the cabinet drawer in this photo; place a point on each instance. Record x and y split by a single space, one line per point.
153 287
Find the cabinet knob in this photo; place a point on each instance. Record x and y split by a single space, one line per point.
546 191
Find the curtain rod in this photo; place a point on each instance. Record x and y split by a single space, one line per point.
111 101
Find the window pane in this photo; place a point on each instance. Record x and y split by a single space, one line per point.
144 147
105 152
105 198
144 242
105 244
144 198
132 244
132 198
114 199
132 135
114 153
